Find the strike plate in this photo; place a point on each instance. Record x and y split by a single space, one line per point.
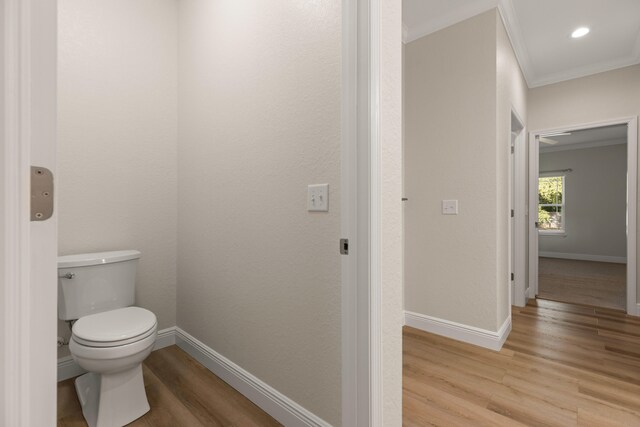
41 193
344 246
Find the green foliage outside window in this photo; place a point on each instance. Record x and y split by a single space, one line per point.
550 202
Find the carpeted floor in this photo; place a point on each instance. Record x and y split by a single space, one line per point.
601 284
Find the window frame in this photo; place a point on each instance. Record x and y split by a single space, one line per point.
562 232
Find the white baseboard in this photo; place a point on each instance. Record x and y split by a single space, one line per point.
530 292
279 406
584 257
165 338
68 368
457 331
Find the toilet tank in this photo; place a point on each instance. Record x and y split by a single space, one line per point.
95 282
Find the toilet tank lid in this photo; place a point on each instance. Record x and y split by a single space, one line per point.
96 258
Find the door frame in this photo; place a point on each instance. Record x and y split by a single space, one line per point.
23 36
362 394
15 225
29 289
632 184
518 234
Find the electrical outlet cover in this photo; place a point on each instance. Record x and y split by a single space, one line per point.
449 207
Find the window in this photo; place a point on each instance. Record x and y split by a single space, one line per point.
551 197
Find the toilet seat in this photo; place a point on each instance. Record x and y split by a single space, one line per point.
114 328
105 355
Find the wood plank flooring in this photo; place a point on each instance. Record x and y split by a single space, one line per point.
562 365
181 392
601 284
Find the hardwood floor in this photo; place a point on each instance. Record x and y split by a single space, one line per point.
562 365
601 284
181 392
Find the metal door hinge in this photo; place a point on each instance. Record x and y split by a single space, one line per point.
344 246
41 193
512 277
512 213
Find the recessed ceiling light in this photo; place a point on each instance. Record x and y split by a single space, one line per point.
580 32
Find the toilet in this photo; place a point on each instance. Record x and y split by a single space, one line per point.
110 337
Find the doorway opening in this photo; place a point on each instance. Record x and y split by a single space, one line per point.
583 215
517 222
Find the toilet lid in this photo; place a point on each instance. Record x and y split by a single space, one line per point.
109 328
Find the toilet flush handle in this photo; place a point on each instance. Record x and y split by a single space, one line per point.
68 276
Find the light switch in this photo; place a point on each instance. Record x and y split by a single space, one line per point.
318 198
449 207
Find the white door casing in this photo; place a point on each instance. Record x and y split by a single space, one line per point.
533 214
519 205
512 228
30 248
361 337
632 182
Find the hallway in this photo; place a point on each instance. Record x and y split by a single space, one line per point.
562 365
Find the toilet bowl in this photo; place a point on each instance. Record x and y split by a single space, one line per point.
110 337
112 345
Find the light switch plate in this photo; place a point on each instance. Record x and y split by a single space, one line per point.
318 198
449 207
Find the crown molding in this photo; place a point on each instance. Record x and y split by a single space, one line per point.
456 15
512 26
587 70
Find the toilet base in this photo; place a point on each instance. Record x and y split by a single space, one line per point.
114 399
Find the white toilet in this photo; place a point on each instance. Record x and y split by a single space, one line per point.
110 337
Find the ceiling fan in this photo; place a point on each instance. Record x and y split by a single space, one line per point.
547 140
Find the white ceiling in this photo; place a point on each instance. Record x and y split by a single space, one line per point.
540 31
587 138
